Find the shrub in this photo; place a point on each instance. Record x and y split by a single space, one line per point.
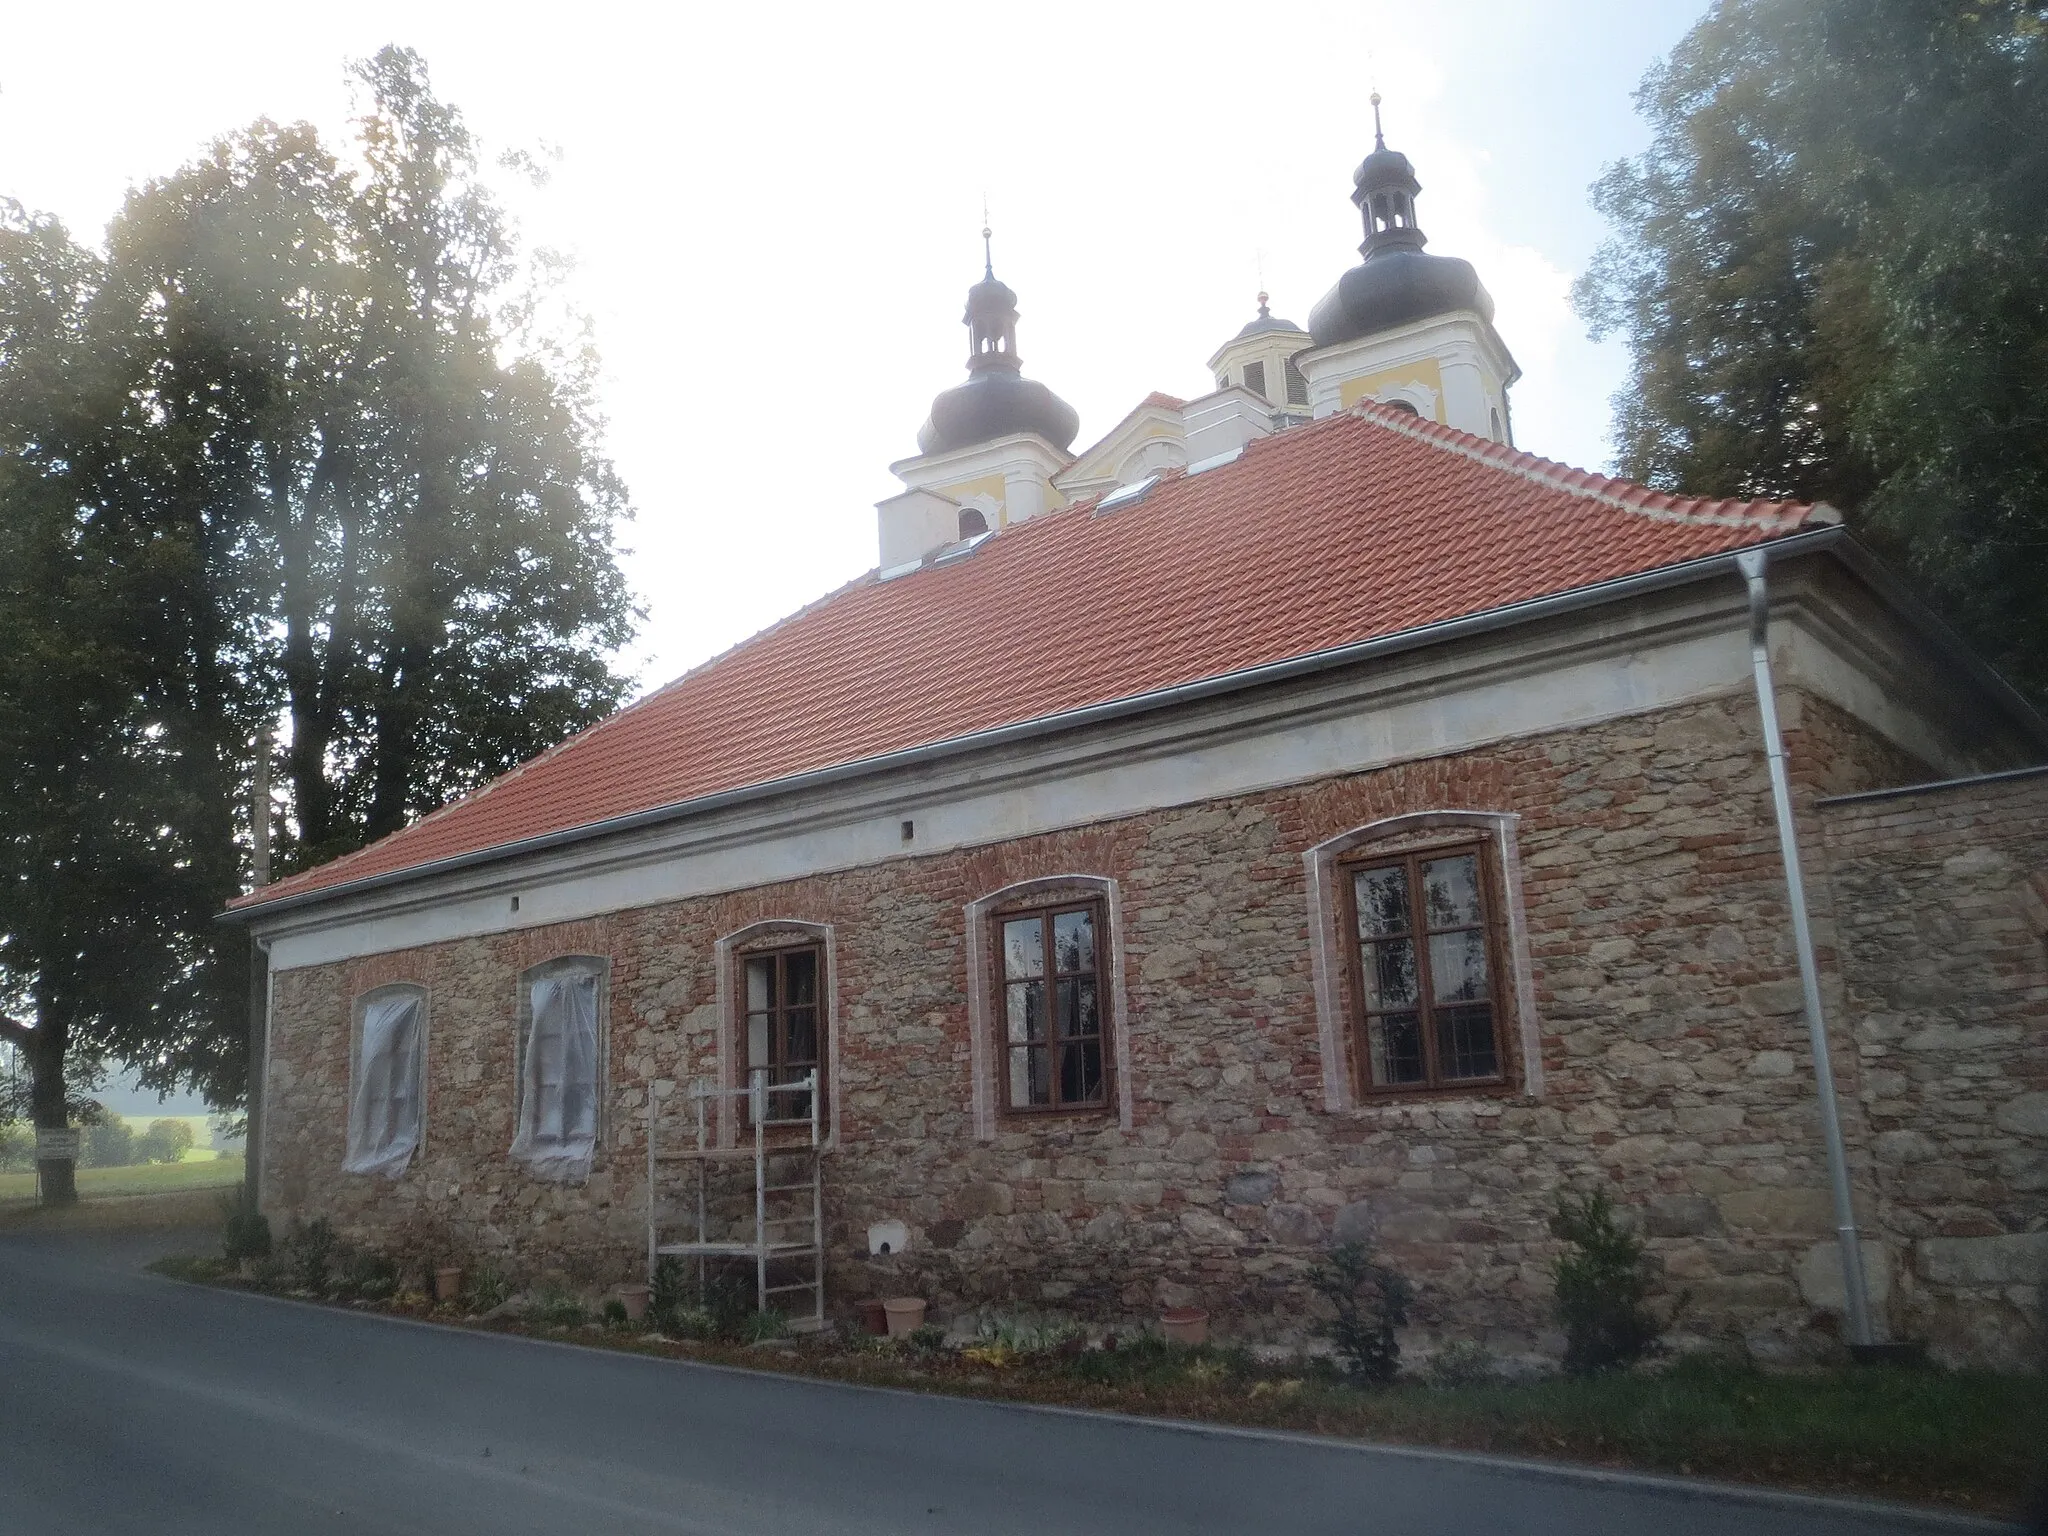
928 1338
614 1312
728 1301
363 1276
1463 1363
109 1142
17 1147
1601 1281
1371 1303
245 1234
308 1254
166 1141
554 1307
487 1290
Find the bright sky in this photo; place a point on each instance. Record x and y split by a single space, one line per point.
775 210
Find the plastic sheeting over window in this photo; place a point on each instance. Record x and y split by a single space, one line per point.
385 1099
558 1085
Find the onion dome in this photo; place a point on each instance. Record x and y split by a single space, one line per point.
997 400
1264 322
1397 282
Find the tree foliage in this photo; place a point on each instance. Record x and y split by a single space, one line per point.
1831 267
292 445
1602 1281
1369 1305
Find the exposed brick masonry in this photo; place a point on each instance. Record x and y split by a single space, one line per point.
1674 1054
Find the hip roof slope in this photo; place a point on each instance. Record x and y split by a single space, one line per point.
1357 526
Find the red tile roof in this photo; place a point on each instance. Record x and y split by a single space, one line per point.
1360 525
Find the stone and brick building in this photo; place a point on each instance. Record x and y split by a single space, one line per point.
1312 818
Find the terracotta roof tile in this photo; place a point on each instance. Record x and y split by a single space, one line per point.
1357 526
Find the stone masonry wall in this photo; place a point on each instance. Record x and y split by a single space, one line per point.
1674 1062
1942 905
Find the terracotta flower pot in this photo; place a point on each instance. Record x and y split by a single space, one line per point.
634 1299
874 1317
448 1283
1185 1325
905 1314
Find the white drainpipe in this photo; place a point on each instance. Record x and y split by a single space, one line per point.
1751 562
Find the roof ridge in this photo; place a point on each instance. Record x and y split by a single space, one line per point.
1609 490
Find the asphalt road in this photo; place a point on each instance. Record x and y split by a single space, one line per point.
132 1403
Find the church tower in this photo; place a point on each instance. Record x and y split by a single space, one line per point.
1261 358
990 448
1405 327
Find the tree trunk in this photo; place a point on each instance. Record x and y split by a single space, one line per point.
259 1018
57 1176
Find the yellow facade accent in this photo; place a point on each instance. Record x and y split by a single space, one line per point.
1422 371
986 485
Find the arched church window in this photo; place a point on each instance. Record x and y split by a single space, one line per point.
1398 404
972 523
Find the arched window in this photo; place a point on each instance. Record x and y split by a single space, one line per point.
1398 404
387 1073
972 522
1046 1005
1423 981
779 1020
559 1067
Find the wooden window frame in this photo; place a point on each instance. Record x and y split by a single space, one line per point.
779 952
1492 897
1106 1105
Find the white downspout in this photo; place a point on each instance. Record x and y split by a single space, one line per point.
1751 562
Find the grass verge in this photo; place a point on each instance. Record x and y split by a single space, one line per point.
1967 1440
141 1179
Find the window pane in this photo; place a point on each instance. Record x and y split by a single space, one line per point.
1389 968
1026 1004
1450 891
1073 940
1081 1072
1382 901
761 983
800 978
1395 1044
801 1034
1024 947
1464 1042
757 1040
1030 1077
1457 966
1078 1011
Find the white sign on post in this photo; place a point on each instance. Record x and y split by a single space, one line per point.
56 1146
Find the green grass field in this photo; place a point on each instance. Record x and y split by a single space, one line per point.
202 1172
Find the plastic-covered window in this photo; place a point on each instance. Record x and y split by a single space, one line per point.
385 1099
558 1076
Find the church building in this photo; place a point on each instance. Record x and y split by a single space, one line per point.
1341 825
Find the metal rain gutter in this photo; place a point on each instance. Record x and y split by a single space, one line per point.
1529 611
1751 562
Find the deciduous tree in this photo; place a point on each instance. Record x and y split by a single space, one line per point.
291 445
1832 269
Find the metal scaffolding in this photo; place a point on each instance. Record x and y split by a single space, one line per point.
788 1230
